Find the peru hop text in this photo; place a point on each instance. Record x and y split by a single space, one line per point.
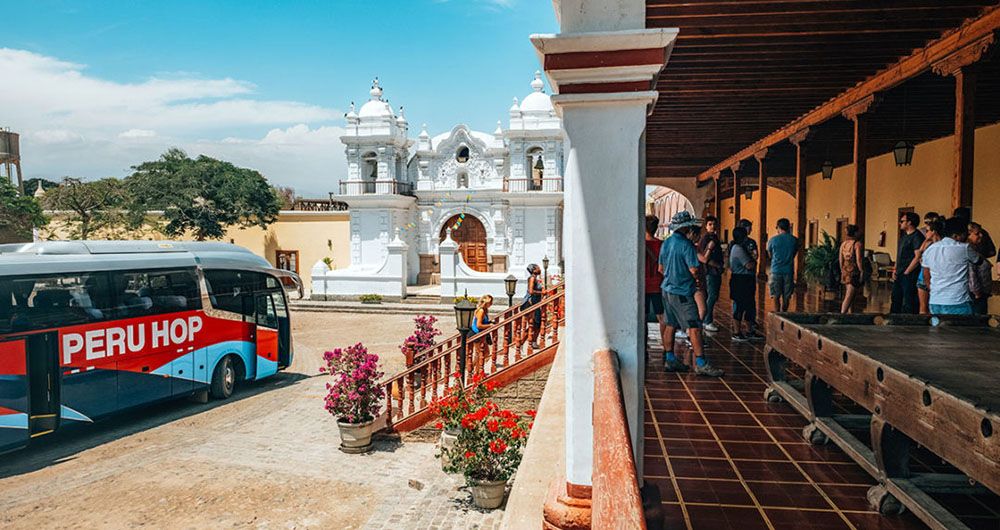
130 338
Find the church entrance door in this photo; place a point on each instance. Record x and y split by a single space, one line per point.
471 239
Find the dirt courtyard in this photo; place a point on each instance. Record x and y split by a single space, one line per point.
266 458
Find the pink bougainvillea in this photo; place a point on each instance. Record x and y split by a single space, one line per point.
355 395
422 338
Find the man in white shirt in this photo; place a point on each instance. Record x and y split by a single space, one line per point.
946 270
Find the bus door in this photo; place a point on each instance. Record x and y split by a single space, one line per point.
13 394
266 317
284 331
43 383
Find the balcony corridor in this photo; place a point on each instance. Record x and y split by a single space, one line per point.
724 457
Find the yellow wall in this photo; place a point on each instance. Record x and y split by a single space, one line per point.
315 235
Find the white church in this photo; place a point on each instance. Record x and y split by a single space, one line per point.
462 209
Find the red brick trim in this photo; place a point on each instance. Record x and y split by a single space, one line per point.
604 59
603 88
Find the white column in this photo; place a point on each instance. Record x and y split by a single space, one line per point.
602 265
448 257
396 262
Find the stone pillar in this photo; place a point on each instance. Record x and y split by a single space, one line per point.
801 220
604 111
762 226
396 263
448 257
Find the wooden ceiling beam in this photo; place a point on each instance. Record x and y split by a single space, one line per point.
969 34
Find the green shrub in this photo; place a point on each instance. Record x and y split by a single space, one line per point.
370 298
819 260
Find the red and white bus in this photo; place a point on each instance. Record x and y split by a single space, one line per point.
90 328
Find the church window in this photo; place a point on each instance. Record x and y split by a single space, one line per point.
463 180
463 155
536 168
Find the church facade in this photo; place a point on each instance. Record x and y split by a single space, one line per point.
462 209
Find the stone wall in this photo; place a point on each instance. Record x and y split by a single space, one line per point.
525 393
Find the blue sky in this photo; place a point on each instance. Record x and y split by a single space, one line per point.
95 87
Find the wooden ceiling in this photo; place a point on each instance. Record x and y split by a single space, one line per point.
741 69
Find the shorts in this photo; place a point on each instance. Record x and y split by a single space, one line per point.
956 309
781 285
681 311
654 300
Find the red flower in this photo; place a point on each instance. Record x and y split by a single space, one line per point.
469 454
491 385
498 446
439 425
509 423
530 425
530 413
517 433
478 378
493 425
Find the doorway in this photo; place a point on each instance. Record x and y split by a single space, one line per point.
43 384
471 238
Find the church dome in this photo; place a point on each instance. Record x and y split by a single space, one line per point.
375 107
537 101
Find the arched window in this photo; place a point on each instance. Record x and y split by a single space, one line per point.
536 168
463 155
369 171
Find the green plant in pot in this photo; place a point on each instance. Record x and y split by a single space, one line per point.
822 264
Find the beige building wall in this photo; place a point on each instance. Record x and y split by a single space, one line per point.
315 235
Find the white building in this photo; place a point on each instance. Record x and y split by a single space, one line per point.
462 209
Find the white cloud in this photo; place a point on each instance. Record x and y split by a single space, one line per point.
73 123
137 133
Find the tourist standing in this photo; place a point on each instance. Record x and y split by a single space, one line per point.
535 289
710 246
989 249
781 250
904 285
679 264
932 232
742 284
654 298
981 273
946 270
851 266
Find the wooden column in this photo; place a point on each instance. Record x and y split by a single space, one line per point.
798 140
762 211
857 114
965 136
718 201
735 168
962 66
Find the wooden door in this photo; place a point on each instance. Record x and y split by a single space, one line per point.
471 238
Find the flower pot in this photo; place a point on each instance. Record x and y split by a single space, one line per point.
487 494
447 442
355 437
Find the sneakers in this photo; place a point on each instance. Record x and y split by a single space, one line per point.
675 366
739 337
708 370
753 335
711 327
680 334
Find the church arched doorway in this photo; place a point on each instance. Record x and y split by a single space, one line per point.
470 235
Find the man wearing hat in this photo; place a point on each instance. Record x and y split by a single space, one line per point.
679 264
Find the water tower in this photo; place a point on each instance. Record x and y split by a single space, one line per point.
10 156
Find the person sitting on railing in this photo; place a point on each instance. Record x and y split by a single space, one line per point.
481 318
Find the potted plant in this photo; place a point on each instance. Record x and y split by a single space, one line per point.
422 338
822 266
488 450
355 396
456 403
370 298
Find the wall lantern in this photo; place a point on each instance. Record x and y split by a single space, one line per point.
827 170
903 152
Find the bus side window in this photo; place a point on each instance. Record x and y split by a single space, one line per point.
233 291
40 302
154 292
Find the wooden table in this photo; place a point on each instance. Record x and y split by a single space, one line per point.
933 381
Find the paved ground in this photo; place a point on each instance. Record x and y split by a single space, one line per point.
267 458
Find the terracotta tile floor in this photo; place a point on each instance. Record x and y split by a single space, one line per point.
723 457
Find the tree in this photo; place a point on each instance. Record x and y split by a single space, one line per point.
286 195
19 214
92 206
203 196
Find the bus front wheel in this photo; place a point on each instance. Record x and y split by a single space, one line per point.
224 378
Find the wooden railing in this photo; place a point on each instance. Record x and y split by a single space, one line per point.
504 347
616 500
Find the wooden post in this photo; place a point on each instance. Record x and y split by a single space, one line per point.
718 200
762 212
735 168
798 140
857 114
965 136
962 66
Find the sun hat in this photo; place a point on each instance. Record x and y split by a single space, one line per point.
683 219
